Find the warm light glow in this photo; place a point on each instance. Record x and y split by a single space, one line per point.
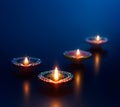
26 61
97 62
78 52
56 74
98 38
55 104
77 79
78 82
26 89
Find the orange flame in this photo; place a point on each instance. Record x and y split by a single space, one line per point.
78 52
98 38
26 61
56 74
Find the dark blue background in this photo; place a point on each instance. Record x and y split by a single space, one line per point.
45 29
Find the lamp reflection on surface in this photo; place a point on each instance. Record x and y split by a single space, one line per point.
78 82
26 89
54 103
97 59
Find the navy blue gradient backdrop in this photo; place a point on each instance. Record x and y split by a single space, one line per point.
45 29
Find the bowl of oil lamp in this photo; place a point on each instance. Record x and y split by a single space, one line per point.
26 61
97 40
77 55
55 76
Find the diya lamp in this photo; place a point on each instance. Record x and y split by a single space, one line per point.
77 55
26 61
97 40
55 76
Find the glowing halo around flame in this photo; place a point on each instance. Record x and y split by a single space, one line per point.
56 74
26 61
78 52
98 38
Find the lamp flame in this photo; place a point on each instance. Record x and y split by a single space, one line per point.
26 61
56 74
78 52
98 38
